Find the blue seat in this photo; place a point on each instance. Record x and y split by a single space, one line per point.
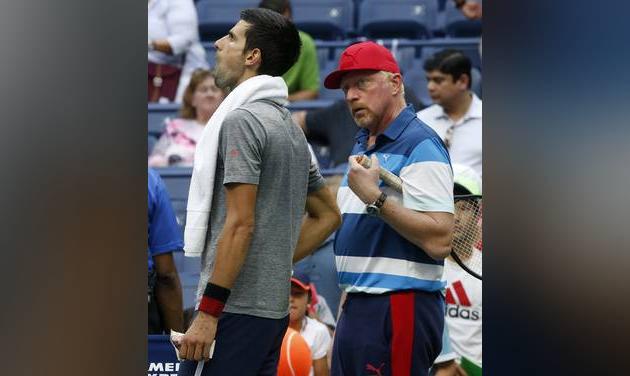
177 182
157 113
211 53
324 19
475 84
415 78
471 50
329 94
152 140
216 17
456 25
412 19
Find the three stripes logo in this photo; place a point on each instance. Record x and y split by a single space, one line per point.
459 305
462 298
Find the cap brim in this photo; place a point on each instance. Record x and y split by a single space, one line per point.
333 80
303 286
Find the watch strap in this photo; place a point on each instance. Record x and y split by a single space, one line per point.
380 200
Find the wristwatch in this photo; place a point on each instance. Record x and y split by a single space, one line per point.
374 209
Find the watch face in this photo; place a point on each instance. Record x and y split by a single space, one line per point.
372 210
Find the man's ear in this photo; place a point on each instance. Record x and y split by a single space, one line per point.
397 83
253 58
463 81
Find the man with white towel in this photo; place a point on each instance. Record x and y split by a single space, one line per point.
252 180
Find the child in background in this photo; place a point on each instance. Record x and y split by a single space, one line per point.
315 333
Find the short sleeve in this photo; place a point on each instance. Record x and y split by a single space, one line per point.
164 232
241 146
428 178
447 352
321 344
315 179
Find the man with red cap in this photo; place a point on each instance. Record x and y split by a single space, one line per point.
390 248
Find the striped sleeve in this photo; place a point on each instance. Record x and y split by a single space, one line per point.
428 178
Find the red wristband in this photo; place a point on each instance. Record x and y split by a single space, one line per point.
211 306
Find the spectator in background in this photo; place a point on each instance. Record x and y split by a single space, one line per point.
456 113
164 237
176 146
334 127
195 60
172 29
470 9
463 294
314 332
303 77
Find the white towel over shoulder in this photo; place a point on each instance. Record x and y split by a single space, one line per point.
206 152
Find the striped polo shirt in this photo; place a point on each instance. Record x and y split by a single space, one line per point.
370 255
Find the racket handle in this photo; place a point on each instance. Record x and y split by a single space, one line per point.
387 176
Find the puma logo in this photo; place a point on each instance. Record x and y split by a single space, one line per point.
377 371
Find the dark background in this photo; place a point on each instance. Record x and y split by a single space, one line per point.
73 192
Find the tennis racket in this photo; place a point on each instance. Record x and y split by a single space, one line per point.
467 234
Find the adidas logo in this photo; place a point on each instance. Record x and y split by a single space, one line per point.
457 302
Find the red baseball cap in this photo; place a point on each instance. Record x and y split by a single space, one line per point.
301 279
362 56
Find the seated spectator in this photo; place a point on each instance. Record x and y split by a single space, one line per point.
172 30
176 146
314 332
333 126
456 113
303 77
164 237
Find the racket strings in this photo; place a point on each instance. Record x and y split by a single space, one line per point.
467 235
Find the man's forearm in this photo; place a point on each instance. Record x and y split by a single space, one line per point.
232 249
431 233
168 292
313 233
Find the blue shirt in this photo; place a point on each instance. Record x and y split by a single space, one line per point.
164 234
370 255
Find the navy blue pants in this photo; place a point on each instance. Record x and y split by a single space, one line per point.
395 334
246 345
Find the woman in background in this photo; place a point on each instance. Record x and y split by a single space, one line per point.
176 146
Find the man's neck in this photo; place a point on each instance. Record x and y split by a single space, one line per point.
459 107
247 74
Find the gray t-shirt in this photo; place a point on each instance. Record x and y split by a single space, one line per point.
259 144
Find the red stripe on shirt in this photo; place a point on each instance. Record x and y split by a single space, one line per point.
402 316
461 294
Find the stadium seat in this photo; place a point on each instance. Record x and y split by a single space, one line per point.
324 93
416 79
177 181
152 140
211 53
216 17
471 50
456 25
324 19
157 112
412 19
475 81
